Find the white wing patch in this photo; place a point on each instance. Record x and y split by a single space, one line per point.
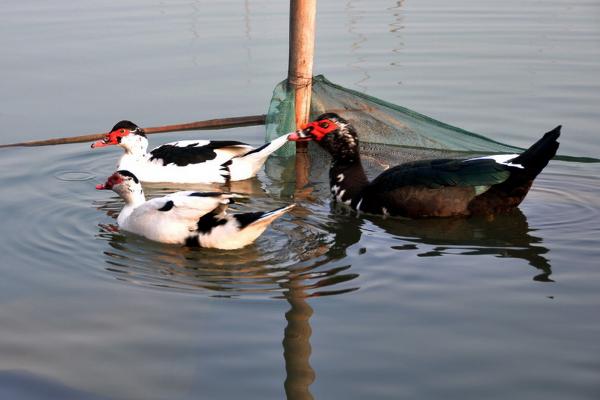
186 143
500 159
358 205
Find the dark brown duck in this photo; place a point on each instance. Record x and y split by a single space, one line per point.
427 188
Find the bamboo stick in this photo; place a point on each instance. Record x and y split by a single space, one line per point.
296 341
217 123
301 50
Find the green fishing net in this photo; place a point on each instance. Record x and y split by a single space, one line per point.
389 134
380 124
375 120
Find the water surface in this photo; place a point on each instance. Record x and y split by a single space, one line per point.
324 305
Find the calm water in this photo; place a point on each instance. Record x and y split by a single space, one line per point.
325 305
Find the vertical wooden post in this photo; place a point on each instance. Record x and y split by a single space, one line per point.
296 342
302 45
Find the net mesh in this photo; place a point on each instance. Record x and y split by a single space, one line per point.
375 120
379 122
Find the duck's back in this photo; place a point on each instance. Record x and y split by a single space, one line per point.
187 161
431 188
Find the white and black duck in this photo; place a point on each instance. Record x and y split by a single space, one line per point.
187 161
428 188
195 219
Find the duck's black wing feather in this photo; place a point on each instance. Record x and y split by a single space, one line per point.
435 174
196 153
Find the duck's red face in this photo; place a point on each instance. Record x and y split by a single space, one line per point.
332 133
119 131
315 130
121 177
113 138
111 182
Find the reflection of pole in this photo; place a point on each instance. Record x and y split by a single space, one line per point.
296 341
301 50
296 347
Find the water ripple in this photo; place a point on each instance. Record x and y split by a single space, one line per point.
74 176
293 253
566 202
304 253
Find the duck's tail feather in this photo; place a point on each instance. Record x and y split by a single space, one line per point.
536 157
247 165
260 218
510 193
240 230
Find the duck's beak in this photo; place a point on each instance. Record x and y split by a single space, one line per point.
102 143
104 186
300 136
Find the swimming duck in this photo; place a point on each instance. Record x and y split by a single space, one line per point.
194 219
427 188
187 161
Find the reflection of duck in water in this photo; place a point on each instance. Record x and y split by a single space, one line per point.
249 187
427 188
506 235
190 218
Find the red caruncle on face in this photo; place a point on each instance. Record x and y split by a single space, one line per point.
114 136
320 128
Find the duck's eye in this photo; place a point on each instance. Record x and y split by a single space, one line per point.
324 125
122 131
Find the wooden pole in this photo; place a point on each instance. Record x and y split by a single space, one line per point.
218 123
302 45
296 342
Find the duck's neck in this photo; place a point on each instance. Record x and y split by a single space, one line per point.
136 146
133 200
347 179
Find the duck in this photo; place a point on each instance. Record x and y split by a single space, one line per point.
186 161
192 219
427 188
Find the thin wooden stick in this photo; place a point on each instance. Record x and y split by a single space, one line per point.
218 123
301 52
300 67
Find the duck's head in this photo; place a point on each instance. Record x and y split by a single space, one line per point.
127 135
125 184
333 133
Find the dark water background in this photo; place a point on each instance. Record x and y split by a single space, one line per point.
324 304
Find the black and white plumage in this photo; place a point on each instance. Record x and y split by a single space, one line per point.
196 219
428 188
187 161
